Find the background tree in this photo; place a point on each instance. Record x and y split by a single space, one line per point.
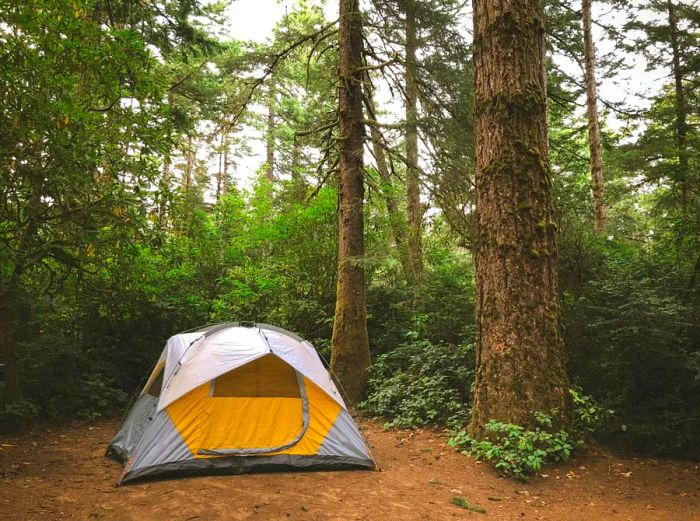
594 144
350 357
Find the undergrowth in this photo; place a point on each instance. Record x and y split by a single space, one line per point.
420 383
518 452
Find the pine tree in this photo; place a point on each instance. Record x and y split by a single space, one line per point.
350 356
520 363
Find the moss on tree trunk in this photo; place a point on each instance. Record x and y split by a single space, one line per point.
350 357
520 363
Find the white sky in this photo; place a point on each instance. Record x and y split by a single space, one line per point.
255 19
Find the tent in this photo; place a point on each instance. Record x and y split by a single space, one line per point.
236 398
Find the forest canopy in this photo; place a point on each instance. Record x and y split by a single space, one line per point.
159 172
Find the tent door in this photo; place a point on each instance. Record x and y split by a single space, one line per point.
259 408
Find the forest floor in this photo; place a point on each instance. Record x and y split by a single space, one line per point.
61 473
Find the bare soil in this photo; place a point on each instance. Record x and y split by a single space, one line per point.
61 473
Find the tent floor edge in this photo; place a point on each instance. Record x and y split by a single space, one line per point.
247 465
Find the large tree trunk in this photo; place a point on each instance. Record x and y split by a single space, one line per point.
681 109
594 146
520 361
270 138
350 357
413 204
396 218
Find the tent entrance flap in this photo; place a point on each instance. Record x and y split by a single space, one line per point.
258 408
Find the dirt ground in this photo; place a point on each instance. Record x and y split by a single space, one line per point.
61 473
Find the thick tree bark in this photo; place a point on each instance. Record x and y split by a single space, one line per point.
270 138
396 218
350 357
413 205
520 361
596 159
681 109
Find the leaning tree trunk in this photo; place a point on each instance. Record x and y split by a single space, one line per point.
350 357
413 204
680 106
594 145
520 361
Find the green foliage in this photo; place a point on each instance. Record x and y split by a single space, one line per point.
518 453
421 383
588 415
514 451
632 335
17 411
112 238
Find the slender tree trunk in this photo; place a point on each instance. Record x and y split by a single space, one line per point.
220 173
186 185
681 109
10 301
189 166
413 204
225 173
350 357
594 145
164 181
7 348
296 160
396 219
520 361
270 172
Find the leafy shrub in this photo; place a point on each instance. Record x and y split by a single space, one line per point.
421 383
99 395
515 451
16 412
518 452
588 415
630 334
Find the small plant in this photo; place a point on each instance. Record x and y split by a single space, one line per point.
463 503
515 451
588 415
